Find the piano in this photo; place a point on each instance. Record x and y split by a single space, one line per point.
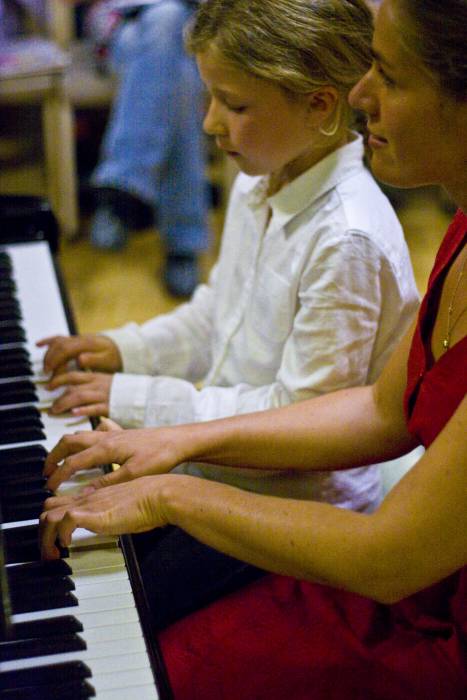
78 627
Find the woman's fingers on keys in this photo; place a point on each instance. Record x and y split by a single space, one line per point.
107 424
67 445
55 525
119 476
66 460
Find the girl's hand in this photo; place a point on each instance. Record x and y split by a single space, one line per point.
87 393
115 510
139 452
91 351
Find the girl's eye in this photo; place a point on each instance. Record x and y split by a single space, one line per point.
237 110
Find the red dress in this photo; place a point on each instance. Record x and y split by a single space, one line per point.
280 639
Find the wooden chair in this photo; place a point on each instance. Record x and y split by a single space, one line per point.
32 74
55 74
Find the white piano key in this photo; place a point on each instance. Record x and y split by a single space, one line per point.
85 539
134 693
87 605
102 657
111 632
36 282
122 679
91 590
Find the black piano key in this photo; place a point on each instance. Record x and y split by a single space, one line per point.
19 413
75 690
13 482
43 587
27 648
12 335
48 627
21 368
22 544
21 391
5 262
23 415
35 571
7 284
13 354
23 470
8 325
12 497
10 312
13 301
22 455
51 601
21 434
31 510
44 675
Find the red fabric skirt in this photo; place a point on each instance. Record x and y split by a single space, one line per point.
280 638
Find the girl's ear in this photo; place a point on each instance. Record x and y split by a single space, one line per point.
322 103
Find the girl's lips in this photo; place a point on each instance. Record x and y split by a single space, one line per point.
226 149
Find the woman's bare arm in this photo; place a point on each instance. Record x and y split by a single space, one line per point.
417 537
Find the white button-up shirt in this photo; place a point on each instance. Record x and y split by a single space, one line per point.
312 290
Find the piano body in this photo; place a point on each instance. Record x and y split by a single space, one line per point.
79 626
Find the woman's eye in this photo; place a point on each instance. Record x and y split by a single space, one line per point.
385 78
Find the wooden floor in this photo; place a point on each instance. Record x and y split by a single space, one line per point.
108 289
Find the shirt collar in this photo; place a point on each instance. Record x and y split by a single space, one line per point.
310 185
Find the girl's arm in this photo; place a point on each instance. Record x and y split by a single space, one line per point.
349 428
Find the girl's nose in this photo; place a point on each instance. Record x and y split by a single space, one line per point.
213 124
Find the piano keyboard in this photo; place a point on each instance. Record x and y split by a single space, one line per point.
76 628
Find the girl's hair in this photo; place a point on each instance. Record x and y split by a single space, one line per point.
437 32
300 45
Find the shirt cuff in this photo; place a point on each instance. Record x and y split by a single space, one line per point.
128 399
132 347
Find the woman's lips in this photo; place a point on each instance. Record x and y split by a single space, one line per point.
375 141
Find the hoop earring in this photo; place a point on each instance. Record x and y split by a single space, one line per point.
332 131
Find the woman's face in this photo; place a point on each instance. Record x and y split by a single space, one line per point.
417 132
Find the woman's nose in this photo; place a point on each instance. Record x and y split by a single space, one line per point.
361 96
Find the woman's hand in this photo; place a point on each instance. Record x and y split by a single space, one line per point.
139 452
115 510
87 393
96 352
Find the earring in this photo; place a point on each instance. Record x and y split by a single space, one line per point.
332 130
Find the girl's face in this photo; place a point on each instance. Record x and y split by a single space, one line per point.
417 132
257 124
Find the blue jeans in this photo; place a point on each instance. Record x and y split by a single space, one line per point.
153 147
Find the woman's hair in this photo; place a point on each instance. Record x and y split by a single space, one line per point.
300 45
436 31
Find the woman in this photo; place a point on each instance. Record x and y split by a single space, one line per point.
377 605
